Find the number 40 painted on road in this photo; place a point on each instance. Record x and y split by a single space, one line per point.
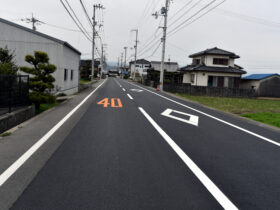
105 102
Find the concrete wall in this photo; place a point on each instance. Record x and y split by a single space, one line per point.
201 78
23 42
13 119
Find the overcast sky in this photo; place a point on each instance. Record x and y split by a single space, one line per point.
250 28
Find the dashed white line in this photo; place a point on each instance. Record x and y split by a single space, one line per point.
20 161
129 96
123 89
211 187
213 117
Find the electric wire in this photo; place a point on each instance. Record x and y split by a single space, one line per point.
192 16
86 35
76 17
176 30
86 13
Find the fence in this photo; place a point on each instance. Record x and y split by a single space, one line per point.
204 91
209 91
14 92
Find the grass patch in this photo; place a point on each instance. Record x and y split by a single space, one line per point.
261 110
266 117
5 134
83 81
44 107
236 105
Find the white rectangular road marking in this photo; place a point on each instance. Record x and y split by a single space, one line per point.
129 96
193 119
211 187
215 118
123 89
20 161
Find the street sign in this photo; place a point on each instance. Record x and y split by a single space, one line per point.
192 119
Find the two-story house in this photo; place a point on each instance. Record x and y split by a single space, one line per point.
141 67
213 68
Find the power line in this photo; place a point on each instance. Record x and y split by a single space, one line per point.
175 21
76 17
176 13
75 20
250 18
86 13
177 28
154 51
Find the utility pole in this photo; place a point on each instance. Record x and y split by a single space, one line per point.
164 13
95 6
34 21
118 63
102 57
135 56
125 50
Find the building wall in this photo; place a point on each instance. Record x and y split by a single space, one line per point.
23 42
201 78
269 87
248 84
209 60
140 68
167 67
71 61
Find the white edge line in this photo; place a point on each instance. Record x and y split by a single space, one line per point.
129 96
215 118
20 161
211 187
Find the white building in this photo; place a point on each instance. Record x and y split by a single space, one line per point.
25 41
168 66
213 68
142 66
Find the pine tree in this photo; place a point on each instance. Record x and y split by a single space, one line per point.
7 64
41 81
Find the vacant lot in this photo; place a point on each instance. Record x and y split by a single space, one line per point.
262 110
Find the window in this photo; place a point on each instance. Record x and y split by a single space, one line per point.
212 81
196 61
65 74
72 74
192 78
220 61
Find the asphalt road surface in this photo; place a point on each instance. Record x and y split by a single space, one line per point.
135 148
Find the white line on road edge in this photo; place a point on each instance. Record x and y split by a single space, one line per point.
19 162
211 187
117 82
129 96
215 118
123 89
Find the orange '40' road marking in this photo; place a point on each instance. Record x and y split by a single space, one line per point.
105 102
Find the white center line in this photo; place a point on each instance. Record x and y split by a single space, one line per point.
211 187
129 96
213 117
123 89
20 161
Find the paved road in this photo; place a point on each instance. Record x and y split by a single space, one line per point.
123 153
